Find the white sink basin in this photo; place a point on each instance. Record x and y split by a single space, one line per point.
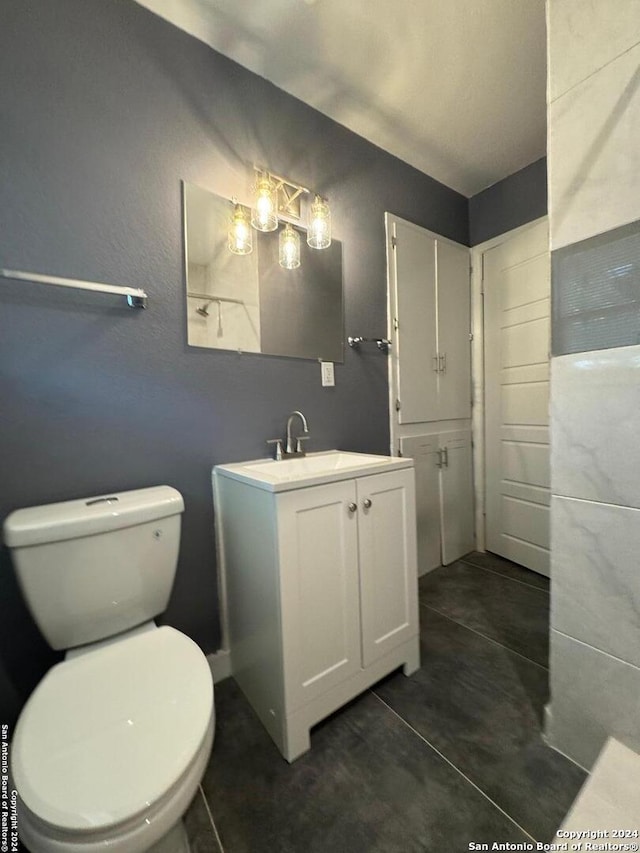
313 469
289 469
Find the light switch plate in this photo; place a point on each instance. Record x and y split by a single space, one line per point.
328 378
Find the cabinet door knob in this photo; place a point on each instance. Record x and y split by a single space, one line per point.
352 507
366 503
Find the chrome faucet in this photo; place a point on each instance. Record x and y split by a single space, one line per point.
305 429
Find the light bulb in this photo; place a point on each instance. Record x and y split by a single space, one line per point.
264 216
240 237
289 248
319 231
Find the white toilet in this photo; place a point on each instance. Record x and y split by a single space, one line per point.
112 744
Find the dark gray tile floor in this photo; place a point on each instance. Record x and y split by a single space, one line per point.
497 606
451 755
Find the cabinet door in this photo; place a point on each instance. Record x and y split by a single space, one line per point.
388 564
456 496
423 449
454 323
414 305
319 592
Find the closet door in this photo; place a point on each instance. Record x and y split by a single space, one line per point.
456 495
423 449
414 305
454 323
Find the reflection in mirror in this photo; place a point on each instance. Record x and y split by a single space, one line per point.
249 303
223 309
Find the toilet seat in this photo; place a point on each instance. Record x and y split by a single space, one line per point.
108 733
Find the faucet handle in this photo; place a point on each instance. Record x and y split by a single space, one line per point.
278 444
299 441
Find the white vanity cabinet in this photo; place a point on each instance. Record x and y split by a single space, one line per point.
321 587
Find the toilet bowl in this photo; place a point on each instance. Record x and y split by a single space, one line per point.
111 746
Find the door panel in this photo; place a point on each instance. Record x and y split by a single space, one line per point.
456 477
429 297
320 589
525 462
516 300
423 450
388 564
454 312
525 403
526 343
415 343
525 520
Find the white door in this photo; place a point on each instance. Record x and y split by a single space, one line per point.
388 562
456 495
516 281
429 371
414 342
318 536
423 449
453 320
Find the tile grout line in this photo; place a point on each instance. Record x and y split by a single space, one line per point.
452 765
499 575
593 74
484 636
595 648
213 823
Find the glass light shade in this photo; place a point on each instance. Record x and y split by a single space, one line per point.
319 231
289 245
264 214
240 234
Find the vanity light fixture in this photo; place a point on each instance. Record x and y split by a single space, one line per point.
289 248
319 231
264 215
240 234
275 196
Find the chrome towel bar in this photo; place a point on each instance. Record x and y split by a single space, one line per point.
136 298
383 344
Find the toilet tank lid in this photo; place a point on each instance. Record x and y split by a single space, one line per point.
88 516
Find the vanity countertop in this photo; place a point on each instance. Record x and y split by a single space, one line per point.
314 469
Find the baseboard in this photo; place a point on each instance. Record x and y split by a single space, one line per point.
220 664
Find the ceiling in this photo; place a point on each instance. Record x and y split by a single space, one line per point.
456 88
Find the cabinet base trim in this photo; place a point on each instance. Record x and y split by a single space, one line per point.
296 741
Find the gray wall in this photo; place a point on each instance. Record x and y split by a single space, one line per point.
104 108
514 201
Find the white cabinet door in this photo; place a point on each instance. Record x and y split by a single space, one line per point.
414 349
388 564
423 449
456 495
318 541
430 309
454 321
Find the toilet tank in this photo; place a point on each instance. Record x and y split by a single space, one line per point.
92 568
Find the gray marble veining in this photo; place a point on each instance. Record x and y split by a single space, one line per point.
593 696
595 424
594 180
596 575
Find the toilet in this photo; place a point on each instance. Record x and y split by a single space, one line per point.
111 746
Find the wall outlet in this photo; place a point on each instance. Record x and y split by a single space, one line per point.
326 369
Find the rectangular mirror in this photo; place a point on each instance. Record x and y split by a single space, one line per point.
249 303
